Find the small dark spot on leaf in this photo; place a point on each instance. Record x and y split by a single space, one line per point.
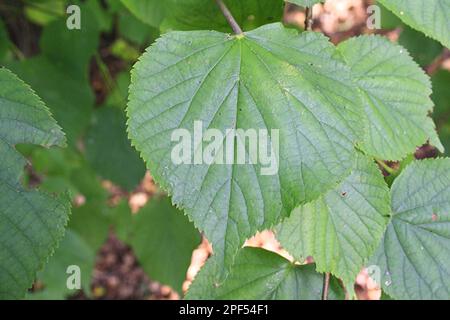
343 193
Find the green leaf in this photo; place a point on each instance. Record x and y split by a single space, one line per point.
122 220
270 78
92 222
441 96
430 17
60 74
31 222
206 15
444 133
395 93
163 240
263 275
342 229
388 19
66 169
72 50
384 296
119 95
305 3
414 255
72 251
101 15
423 49
149 11
108 149
42 12
134 29
4 40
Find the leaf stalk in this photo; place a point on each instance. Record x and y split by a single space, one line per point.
229 17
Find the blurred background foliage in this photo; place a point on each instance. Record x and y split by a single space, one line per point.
127 246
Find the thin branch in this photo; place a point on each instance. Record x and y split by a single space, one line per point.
326 286
308 18
227 14
436 64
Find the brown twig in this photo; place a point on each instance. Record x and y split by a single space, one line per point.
308 18
326 286
227 14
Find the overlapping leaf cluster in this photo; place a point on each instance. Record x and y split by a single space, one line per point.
337 108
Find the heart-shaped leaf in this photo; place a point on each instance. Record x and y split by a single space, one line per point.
270 80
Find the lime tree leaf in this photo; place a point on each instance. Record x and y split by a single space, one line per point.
134 29
149 11
205 284
414 256
441 96
103 16
384 296
109 151
122 220
305 3
388 19
269 79
66 169
69 98
60 73
118 96
206 15
71 49
31 222
42 12
428 16
92 222
395 92
72 251
444 133
163 240
259 274
4 40
342 229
